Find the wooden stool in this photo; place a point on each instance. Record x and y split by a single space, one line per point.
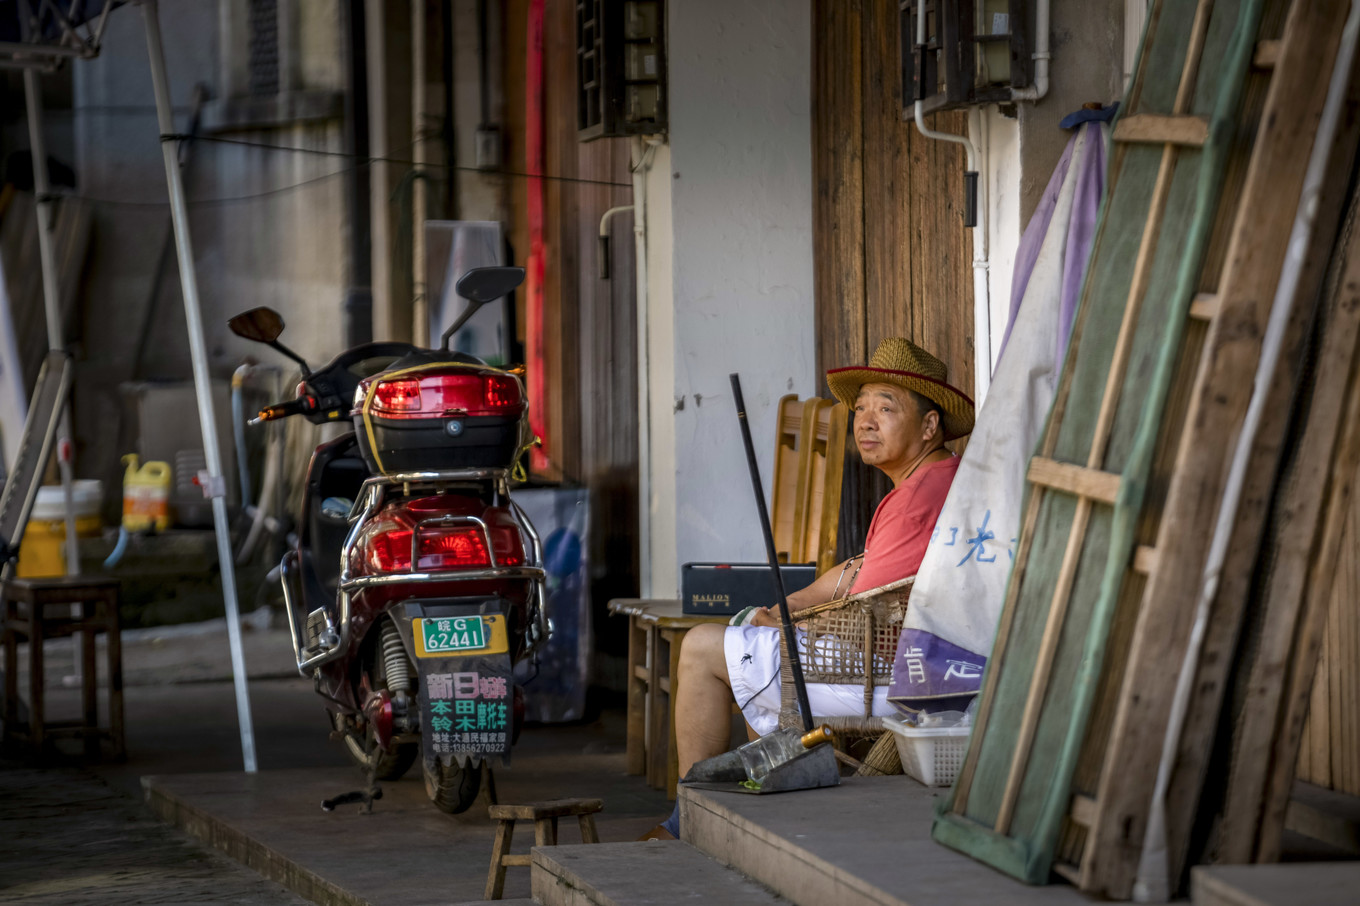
544 815
39 609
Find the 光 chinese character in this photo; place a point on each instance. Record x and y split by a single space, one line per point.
465 685
440 685
975 544
493 687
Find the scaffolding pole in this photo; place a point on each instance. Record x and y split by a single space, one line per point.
214 484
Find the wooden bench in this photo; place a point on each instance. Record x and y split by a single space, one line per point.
656 627
35 610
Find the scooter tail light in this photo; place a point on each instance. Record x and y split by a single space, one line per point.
397 397
460 548
444 395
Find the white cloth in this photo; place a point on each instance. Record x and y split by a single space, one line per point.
753 655
961 584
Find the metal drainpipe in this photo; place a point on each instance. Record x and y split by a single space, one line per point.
645 151
358 305
1041 56
973 217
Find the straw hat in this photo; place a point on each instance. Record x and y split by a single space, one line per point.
899 361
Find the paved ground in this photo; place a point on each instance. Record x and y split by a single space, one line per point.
79 835
70 839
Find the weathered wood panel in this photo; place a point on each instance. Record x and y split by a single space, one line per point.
891 254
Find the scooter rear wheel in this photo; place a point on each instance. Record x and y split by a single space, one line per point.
367 756
451 788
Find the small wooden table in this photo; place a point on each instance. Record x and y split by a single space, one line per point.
652 624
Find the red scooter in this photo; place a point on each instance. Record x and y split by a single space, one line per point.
417 582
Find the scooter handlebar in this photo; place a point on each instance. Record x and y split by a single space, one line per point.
300 406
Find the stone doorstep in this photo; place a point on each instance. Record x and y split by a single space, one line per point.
1291 884
864 842
648 873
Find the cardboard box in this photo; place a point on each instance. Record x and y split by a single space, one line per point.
722 589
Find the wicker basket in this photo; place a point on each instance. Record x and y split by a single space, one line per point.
843 636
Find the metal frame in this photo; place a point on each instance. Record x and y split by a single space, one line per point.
79 33
335 641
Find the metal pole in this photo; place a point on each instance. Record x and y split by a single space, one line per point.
790 642
214 484
42 191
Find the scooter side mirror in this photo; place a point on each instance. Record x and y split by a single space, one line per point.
484 284
480 286
263 325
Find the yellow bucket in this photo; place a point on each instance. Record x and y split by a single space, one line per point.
42 551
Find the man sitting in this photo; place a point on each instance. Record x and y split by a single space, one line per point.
904 412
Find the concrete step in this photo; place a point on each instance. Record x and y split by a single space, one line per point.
1292 884
648 873
864 842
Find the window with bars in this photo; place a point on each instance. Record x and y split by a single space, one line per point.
264 48
620 68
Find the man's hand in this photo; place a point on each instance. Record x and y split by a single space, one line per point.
765 616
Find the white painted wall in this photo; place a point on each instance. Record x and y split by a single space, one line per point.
737 292
998 141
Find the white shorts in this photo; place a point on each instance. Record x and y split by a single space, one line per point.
753 657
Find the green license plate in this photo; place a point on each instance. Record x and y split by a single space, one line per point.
445 634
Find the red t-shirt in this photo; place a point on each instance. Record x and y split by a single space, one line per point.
902 524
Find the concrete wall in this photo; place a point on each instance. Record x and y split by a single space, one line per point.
267 226
740 186
1019 152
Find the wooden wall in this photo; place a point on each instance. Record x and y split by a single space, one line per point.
892 257
590 324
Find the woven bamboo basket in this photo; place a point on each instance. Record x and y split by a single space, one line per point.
850 641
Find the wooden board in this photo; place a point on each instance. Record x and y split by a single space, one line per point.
1222 390
1013 793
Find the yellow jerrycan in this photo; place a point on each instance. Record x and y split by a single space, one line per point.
146 495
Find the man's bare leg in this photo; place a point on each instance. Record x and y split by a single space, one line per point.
703 701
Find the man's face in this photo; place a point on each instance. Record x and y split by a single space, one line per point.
889 429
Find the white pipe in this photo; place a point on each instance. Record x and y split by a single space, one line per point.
608 215
920 116
982 290
1041 57
645 150
420 313
215 484
1153 882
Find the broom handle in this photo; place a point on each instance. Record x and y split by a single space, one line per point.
799 686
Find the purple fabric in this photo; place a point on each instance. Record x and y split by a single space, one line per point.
1081 232
1033 240
929 667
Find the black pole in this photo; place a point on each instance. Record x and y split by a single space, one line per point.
791 644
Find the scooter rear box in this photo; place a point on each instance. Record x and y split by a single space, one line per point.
410 445
439 415
722 589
